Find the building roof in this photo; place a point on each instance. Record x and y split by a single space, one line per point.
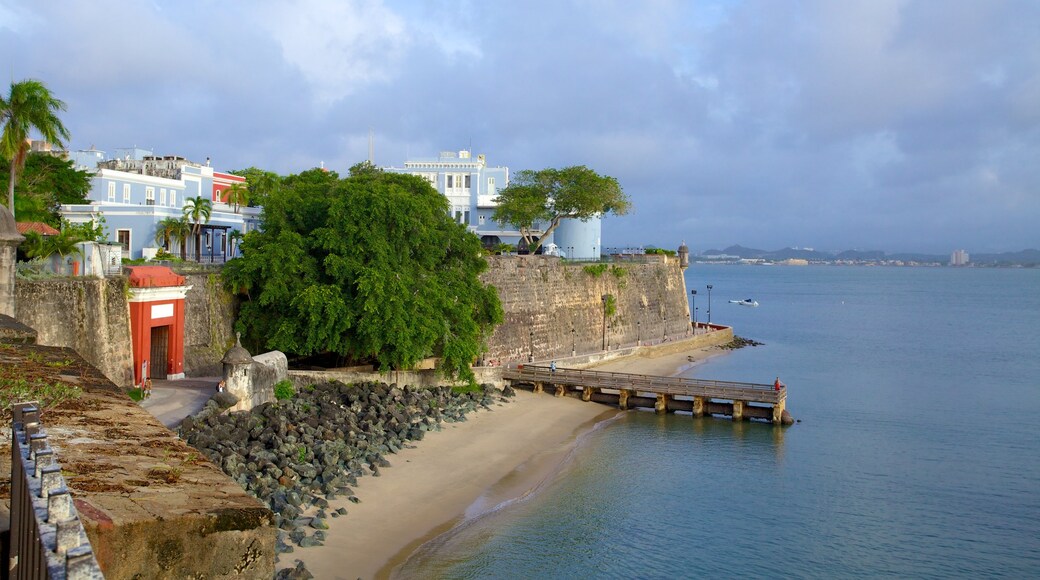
153 277
38 227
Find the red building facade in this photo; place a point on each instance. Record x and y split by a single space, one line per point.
157 322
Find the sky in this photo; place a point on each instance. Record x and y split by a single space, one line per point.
896 125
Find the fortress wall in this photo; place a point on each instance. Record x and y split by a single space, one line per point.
544 298
89 315
209 317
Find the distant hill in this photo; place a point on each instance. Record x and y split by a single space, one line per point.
1025 258
1029 258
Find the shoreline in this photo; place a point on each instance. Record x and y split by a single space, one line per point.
461 472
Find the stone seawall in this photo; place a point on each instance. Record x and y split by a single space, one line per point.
554 307
89 315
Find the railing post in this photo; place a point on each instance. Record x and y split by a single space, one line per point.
738 409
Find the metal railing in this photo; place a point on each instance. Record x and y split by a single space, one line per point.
47 537
754 392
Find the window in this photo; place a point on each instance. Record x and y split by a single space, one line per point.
480 219
491 186
111 191
149 196
451 181
173 198
465 217
123 237
467 181
126 193
458 216
162 196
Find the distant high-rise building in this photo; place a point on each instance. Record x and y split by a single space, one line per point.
959 258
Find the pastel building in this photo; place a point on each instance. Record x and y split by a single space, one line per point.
471 187
136 190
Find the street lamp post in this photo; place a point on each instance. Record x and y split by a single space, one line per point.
639 334
603 298
709 303
530 355
574 342
693 293
664 331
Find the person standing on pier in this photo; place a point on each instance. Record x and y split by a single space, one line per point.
777 384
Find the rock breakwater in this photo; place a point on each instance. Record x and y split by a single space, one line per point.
297 454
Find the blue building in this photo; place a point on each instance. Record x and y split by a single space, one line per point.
471 187
137 190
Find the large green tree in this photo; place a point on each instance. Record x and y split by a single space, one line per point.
28 107
261 184
370 267
551 195
45 183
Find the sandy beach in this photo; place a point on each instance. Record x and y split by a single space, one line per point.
460 471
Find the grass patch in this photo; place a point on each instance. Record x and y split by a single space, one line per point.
136 394
284 390
49 394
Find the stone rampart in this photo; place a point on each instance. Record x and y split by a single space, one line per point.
89 315
152 506
209 318
553 308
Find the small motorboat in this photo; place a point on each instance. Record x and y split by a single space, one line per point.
745 302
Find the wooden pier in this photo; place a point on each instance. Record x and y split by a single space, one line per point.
699 396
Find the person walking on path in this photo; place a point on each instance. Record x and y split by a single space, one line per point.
147 389
552 367
220 386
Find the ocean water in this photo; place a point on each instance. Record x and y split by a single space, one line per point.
917 455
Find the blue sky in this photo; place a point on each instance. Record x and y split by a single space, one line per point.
899 125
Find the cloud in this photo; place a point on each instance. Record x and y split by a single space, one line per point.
896 124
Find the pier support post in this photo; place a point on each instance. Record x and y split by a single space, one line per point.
560 390
698 406
778 411
661 406
586 394
539 387
738 410
623 399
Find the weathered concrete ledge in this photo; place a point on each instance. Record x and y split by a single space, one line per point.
153 507
426 378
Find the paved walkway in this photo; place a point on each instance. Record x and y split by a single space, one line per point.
172 401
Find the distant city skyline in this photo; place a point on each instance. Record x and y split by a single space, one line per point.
897 125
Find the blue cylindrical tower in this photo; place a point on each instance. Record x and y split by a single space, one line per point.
579 239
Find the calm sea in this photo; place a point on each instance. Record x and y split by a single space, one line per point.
918 454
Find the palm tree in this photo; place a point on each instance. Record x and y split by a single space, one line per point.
237 194
164 231
29 105
180 231
198 210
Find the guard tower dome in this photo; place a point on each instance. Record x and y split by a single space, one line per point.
237 355
684 256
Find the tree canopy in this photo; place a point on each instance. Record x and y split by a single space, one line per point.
45 183
29 106
370 267
550 195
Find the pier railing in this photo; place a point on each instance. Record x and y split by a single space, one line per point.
756 392
47 537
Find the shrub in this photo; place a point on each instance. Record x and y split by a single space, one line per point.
284 390
659 252
595 270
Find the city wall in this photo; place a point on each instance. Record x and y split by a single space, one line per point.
88 315
91 316
553 308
